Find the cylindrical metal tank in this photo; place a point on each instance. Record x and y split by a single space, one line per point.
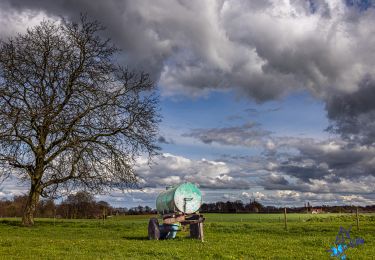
185 197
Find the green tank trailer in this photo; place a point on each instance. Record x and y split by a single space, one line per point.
178 206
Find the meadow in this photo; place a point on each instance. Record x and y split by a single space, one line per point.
227 236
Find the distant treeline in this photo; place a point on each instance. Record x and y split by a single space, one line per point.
256 207
83 205
79 205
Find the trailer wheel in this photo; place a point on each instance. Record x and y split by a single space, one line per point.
153 229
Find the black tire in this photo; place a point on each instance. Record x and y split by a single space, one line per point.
153 229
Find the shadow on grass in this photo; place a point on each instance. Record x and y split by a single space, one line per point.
134 238
37 223
14 223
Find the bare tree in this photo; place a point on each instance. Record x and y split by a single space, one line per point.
70 117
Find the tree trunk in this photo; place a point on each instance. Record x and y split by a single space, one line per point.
31 204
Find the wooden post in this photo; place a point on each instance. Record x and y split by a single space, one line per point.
201 231
196 227
286 227
54 216
357 219
104 214
196 231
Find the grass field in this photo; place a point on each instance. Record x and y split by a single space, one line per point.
227 236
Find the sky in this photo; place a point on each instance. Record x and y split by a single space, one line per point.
270 100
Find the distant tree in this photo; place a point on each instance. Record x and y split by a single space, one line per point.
206 207
254 206
221 206
18 205
148 209
70 117
81 205
121 211
140 209
46 208
103 204
103 208
239 206
309 207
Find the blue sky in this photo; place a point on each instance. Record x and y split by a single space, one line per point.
247 90
298 114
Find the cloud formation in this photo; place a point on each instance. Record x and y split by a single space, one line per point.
169 169
249 134
353 115
263 49
299 164
232 178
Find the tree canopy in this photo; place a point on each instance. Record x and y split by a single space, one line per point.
70 117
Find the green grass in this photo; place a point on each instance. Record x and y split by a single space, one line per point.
227 236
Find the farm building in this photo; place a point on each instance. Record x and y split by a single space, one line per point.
316 211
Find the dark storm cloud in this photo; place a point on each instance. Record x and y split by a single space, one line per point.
353 115
320 160
304 173
304 160
164 140
262 49
275 182
124 25
249 134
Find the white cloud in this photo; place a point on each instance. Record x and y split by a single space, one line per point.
171 169
13 22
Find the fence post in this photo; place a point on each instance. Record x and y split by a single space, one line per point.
357 218
104 214
286 227
54 216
